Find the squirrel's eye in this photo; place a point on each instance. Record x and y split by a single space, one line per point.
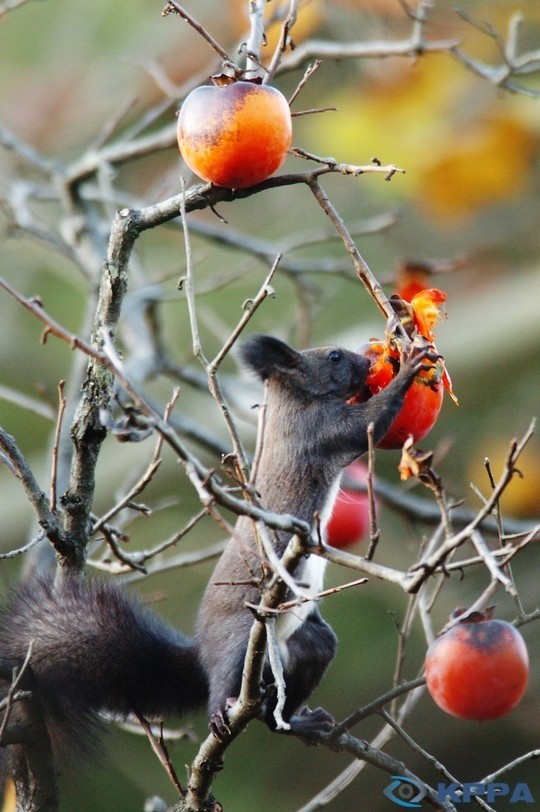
335 356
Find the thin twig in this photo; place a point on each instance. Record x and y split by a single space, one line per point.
48 520
308 73
283 41
250 307
175 8
188 284
58 430
35 307
160 749
375 167
18 676
491 563
404 631
428 564
379 702
146 477
360 265
382 49
352 771
428 757
22 550
534 534
374 530
367 753
324 593
160 564
517 762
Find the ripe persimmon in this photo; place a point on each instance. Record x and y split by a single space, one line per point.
349 521
478 669
423 400
234 135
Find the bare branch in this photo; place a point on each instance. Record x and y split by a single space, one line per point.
22 550
61 410
513 64
491 563
47 519
429 564
427 756
160 749
17 678
363 751
361 267
256 37
384 49
308 73
377 704
175 8
517 762
284 40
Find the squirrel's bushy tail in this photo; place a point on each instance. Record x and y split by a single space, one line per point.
97 649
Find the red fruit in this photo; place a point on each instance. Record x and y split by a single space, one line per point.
478 669
422 403
235 135
349 521
421 407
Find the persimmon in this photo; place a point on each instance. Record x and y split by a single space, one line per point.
349 521
423 400
234 135
478 669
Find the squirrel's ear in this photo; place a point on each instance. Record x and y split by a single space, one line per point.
266 355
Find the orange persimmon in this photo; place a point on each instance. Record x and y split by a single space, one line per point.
234 135
478 669
422 402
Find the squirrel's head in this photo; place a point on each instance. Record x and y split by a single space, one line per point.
323 372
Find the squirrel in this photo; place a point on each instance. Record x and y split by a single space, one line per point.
96 649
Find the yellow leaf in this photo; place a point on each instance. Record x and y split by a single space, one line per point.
484 165
521 497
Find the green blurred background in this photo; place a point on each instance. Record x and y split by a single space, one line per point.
469 198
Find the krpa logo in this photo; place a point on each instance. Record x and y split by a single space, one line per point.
409 792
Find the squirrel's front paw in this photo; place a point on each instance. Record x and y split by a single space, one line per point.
418 358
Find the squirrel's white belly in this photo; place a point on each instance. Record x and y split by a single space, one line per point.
312 579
